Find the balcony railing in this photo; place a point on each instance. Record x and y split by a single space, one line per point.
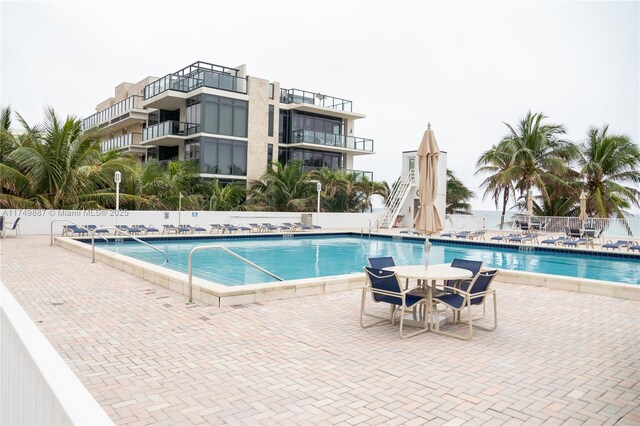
296 96
358 173
120 142
185 84
330 139
167 128
112 114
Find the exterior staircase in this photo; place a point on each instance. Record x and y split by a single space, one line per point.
396 200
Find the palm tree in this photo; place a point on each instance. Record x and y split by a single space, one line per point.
333 187
606 162
538 154
226 197
458 195
58 166
283 188
498 185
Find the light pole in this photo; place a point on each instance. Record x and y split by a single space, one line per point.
179 208
319 188
117 178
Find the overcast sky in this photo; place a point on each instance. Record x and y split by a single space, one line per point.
466 67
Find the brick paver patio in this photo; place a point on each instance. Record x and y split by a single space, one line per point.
557 357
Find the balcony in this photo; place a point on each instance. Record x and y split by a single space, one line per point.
188 83
358 173
123 114
169 133
131 141
317 103
332 142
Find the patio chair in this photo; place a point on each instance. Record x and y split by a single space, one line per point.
457 300
2 226
472 266
14 227
617 245
574 232
384 287
381 262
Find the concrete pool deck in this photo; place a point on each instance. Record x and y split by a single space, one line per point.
556 357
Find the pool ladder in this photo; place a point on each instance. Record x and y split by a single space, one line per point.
125 234
219 247
371 225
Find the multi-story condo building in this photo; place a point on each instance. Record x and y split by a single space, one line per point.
230 123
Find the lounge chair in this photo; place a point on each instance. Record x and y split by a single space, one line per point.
227 227
97 230
457 299
410 232
578 242
269 227
169 229
74 230
521 239
308 226
634 247
554 241
283 227
463 234
502 237
617 245
216 227
148 229
129 229
199 229
384 287
477 235
448 234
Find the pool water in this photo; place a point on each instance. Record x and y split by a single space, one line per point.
308 257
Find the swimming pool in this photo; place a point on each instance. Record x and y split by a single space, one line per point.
329 255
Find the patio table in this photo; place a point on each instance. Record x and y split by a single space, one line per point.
432 273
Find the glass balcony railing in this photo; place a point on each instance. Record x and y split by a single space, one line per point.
120 142
167 128
295 96
329 139
112 114
358 173
213 79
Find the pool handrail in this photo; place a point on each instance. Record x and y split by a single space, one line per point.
79 226
217 246
371 224
126 234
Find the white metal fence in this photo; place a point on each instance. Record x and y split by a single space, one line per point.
36 386
613 227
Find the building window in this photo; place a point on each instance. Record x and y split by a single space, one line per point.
222 156
192 149
225 116
412 163
270 152
193 110
270 126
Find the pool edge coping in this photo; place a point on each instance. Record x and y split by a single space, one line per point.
220 295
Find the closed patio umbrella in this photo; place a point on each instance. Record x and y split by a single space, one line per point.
583 206
427 220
